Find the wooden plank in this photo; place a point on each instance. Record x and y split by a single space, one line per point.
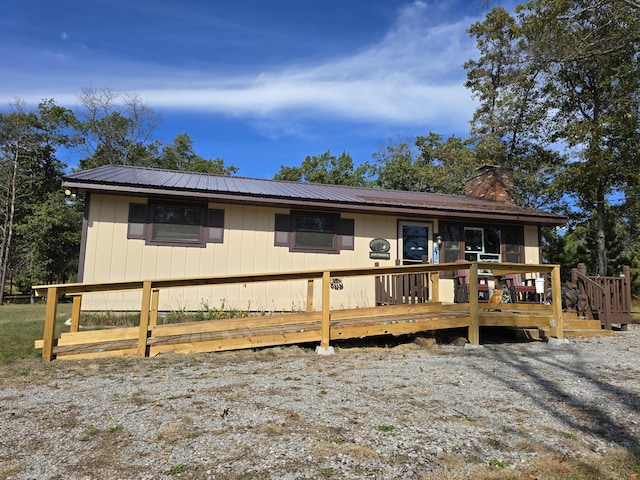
97 336
310 295
326 309
155 301
50 324
75 313
557 326
474 326
235 323
129 352
143 331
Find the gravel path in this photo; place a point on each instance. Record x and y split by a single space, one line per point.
416 410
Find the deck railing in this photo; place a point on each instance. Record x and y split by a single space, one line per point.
609 298
151 292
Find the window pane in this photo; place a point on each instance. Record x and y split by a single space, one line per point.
473 239
415 243
176 224
315 231
491 240
451 238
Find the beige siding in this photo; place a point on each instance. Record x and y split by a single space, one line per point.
248 247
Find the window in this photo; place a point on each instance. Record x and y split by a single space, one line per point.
486 244
314 232
482 244
174 224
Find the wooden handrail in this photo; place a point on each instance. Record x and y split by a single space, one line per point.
150 290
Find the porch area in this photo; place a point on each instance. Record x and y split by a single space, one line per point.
412 305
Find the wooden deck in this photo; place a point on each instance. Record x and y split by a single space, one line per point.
321 327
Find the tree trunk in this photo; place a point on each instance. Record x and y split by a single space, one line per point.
8 223
600 234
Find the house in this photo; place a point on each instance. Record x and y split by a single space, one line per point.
142 223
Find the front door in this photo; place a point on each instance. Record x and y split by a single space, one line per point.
414 242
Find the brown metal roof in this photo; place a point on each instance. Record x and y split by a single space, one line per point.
118 179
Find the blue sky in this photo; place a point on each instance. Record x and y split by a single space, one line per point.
258 83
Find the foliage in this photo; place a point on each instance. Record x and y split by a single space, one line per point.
29 172
327 169
180 155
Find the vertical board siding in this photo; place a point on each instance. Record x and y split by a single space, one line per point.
248 247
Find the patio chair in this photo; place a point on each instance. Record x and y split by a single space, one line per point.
521 289
461 287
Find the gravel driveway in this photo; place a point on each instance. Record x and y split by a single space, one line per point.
414 410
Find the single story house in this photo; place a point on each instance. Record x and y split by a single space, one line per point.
142 223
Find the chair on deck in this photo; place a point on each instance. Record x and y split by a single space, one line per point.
461 287
521 289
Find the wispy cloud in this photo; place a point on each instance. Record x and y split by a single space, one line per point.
412 75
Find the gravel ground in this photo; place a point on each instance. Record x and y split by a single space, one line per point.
412 410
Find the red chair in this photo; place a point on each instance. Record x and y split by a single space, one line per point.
461 287
521 289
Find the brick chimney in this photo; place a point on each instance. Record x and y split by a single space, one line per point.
491 183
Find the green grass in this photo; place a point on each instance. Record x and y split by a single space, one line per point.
21 325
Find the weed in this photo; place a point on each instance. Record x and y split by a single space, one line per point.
176 469
386 428
328 473
498 463
570 436
467 418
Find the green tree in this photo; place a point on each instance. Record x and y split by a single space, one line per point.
50 241
327 169
117 129
397 166
509 126
29 172
180 155
589 55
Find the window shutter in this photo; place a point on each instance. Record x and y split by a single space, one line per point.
282 229
214 229
137 225
346 234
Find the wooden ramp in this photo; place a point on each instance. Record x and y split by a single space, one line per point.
301 328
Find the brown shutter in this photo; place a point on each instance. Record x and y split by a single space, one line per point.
214 229
346 234
282 230
137 226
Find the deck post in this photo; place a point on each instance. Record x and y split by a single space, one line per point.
155 301
435 286
144 319
50 324
326 310
474 326
556 329
310 295
75 313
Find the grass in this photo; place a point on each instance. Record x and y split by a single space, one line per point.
21 325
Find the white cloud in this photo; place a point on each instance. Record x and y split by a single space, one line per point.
414 74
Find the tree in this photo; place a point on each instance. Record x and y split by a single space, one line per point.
508 127
50 240
180 156
29 171
117 129
327 169
397 167
560 103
